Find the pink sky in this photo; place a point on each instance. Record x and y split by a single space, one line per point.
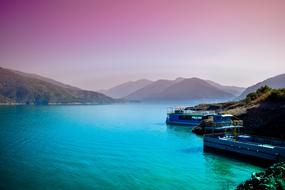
97 44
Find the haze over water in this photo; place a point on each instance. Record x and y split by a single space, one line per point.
107 147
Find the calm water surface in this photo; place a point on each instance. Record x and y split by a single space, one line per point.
107 147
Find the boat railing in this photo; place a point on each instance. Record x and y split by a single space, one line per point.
253 138
181 110
213 124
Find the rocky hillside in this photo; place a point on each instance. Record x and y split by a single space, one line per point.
274 82
23 88
262 112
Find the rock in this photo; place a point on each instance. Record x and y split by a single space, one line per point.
270 179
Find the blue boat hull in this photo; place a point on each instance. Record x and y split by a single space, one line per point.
180 122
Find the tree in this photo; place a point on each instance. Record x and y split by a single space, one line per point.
263 90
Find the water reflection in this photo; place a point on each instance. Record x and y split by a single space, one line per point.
192 150
216 165
179 129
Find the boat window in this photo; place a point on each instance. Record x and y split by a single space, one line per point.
178 111
196 117
185 117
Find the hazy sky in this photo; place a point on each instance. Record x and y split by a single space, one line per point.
97 44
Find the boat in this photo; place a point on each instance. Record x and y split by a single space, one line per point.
244 145
221 122
186 116
228 138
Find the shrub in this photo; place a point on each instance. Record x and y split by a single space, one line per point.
263 90
273 94
278 94
251 96
258 93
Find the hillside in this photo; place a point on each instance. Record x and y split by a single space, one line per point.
23 88
262 112
127 88
180 90
274 82
35 76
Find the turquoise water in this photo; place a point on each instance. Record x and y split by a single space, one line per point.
107 147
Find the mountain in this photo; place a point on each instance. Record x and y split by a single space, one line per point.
151 90
179 90
127 88
23 88
234 90
274 82
192 89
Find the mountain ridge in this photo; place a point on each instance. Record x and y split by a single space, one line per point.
234 90
124 89
191 89
148 91
151 89
160 90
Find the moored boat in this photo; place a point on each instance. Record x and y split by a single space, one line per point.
218 123
186 116
260 148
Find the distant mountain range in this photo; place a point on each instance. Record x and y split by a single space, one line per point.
150 90
23 88
194 89
127 88
273 82
234 90
180 89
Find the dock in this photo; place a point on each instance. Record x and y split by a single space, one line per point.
246 145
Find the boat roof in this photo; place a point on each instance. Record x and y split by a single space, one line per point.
182 110
195 113
226 115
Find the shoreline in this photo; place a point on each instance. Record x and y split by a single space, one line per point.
68 104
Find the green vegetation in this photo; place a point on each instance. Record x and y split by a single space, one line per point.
263 90
277 94
258 93
250 97
266 93
272 178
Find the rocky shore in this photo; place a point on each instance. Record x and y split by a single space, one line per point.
272 178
